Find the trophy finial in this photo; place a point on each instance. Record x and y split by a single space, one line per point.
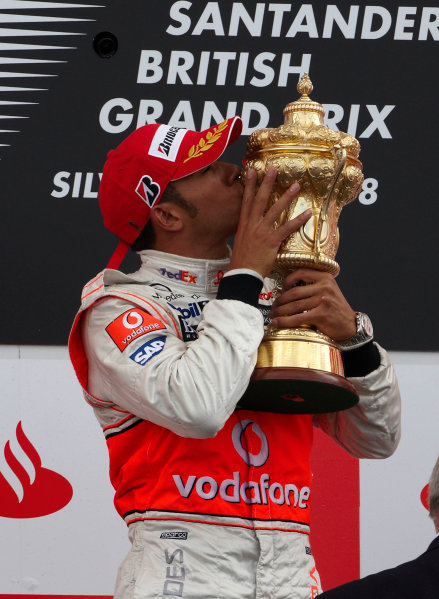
304 111
305 86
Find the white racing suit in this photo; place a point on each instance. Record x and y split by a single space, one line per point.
216 497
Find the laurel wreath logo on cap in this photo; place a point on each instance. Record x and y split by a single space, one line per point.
205 144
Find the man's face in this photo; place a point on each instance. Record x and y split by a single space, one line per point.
216 192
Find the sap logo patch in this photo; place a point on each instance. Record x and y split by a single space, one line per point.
148 190
174 535
166 142
308 550
148 350
131 325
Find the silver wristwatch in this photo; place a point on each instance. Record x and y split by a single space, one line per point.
363 335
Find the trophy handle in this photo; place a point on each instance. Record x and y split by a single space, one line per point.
340 154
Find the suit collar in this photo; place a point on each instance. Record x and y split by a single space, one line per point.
434 544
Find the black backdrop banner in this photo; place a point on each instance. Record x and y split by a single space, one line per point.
77 78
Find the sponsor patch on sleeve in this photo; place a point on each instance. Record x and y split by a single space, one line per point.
148 350
188 333
131 325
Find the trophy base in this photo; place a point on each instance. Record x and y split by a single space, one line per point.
297 391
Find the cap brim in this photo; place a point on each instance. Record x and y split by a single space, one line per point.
202 148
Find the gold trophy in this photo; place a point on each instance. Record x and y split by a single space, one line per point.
300 370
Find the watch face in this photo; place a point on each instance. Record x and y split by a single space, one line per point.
367 325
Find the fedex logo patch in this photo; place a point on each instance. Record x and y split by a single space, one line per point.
181 275
166 142
148 350
130 325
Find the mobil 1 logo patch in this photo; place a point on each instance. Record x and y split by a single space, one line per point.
148 350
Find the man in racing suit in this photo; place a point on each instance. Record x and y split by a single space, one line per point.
216 496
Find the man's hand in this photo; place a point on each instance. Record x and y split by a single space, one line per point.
319 303
257 241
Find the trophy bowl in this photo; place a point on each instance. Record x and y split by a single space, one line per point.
300 370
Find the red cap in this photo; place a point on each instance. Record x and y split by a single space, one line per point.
138 171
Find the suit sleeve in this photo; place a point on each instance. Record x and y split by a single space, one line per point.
189 388
372 428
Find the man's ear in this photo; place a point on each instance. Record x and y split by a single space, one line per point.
167 217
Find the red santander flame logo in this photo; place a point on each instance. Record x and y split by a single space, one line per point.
424 496
36 491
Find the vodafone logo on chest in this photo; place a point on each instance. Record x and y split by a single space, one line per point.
252 446
249 458
131 325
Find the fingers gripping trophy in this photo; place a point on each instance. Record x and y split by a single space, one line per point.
300 370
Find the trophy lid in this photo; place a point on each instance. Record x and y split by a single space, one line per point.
304 104
303 129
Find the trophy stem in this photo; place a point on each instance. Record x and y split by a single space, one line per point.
299 371
302 348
